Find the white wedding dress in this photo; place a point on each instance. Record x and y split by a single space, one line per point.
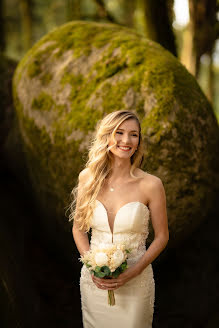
134 306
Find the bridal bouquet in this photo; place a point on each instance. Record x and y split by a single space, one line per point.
107 261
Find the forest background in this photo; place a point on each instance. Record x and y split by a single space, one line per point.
187 28
37 287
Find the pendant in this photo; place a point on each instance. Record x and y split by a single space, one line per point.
111 189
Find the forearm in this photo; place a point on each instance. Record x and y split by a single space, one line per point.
155 248
81 241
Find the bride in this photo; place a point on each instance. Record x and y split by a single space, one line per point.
116 199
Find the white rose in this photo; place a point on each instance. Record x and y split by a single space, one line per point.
101 259
118 258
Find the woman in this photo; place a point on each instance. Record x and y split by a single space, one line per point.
116 199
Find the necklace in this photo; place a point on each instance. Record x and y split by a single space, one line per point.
111 189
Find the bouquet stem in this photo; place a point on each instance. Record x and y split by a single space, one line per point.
111 297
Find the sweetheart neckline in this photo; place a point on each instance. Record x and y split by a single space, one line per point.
146 207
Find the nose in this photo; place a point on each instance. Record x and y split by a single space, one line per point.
126 138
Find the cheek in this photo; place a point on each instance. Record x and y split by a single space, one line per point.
112 142
135 142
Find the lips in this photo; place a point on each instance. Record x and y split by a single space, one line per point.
124 148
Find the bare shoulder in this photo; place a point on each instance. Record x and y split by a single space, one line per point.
84 175
149 180
151 187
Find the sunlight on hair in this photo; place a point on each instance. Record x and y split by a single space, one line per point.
99 166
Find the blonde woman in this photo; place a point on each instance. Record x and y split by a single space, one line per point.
116 199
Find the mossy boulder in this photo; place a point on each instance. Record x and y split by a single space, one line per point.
79 72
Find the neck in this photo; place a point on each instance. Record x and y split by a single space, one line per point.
120 169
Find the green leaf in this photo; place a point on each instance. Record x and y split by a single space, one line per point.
97 269
99 274
88 265
123 266
115 274
106 270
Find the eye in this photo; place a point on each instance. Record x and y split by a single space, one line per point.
118 132
134 135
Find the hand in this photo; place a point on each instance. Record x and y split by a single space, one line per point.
115 283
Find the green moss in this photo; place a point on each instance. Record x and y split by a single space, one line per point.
34 68
72 36
147 65
46 78
120 69
43 102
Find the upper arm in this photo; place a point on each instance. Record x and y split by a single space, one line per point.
82 178
157 205
83 175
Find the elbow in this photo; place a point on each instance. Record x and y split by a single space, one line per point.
74 231
163 238
166 239
167 236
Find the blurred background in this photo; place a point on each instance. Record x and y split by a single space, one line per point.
187 28
37 287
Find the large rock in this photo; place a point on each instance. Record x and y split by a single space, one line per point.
81 71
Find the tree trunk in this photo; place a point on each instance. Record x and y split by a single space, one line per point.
2 27
128 12
103 11
158 23
202 27
210 86
26 20
73 10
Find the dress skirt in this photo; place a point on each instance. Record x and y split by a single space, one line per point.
134 302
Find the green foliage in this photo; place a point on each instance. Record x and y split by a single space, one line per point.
88 265
105 272
43 102
120 270
122 71
46 16
146 65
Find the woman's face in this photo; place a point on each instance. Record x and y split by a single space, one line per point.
127 138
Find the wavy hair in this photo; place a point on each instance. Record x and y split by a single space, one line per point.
100 165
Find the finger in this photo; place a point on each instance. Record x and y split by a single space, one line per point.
98 279
107 286
102 287
113 280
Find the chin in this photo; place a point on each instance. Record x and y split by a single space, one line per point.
123 155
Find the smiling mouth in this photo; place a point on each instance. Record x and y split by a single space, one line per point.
124 148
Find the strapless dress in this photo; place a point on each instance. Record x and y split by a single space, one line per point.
134 306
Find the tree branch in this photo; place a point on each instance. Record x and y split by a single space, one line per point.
103 12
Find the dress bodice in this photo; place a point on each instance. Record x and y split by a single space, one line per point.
130 227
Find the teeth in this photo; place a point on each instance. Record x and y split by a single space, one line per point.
125 148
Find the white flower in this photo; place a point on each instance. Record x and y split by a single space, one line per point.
101 259
118 257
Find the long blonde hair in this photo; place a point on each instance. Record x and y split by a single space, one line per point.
100 164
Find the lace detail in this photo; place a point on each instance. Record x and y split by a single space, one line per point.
144 280
135 241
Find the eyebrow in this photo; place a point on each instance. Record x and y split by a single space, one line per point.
129 131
